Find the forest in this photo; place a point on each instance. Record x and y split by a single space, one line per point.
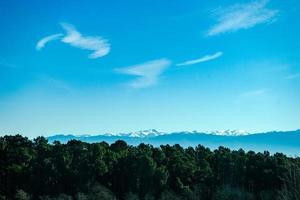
37 170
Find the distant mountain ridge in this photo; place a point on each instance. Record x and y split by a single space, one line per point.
287 142
154 133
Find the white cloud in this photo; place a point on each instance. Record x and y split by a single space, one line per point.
42 42
242 16
97 44
293 76
147 73
202 59
100 46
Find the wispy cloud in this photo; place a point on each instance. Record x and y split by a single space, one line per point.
242 16
147 73
42 42
202 59
254 93
97 44
100 46
293 76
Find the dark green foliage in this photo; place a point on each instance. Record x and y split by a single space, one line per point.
21 195
291 184
100 192
81 171
229 193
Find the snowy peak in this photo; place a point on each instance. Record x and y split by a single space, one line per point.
230 132
145 133
154 133
227 132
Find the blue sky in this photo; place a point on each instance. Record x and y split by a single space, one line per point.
119 66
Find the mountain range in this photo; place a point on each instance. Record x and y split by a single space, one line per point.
287 142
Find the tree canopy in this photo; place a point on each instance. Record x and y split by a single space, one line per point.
35 169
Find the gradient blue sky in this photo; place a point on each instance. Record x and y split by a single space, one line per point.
168 65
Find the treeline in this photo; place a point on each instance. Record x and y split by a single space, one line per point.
35 169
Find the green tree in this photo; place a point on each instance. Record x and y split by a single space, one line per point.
291 184
229 193
22 195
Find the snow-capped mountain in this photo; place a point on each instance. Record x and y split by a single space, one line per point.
154 133
140 134
280 141
145 133
230 132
